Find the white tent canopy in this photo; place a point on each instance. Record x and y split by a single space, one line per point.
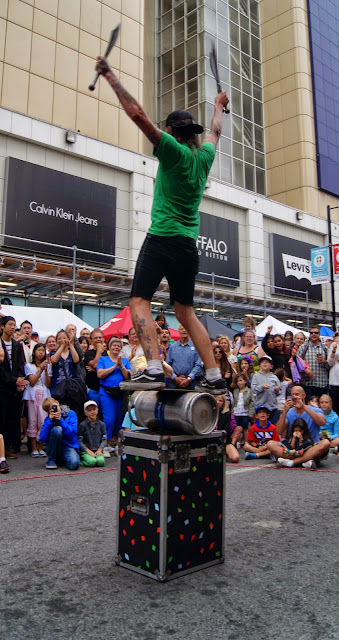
278 327
45 321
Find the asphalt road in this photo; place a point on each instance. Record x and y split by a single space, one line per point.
279 580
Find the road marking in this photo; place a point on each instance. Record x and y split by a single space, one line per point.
230 472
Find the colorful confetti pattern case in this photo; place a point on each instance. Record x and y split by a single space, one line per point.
171 504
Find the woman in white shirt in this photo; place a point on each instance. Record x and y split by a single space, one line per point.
38 373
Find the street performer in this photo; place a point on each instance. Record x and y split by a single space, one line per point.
169 249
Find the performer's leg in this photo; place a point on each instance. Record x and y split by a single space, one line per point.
145 327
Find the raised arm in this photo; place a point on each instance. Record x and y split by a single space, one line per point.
131 107
220 101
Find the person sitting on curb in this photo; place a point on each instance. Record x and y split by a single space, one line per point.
92 437
331 428
260 434
59 432
295 407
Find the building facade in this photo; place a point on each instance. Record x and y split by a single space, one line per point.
254 248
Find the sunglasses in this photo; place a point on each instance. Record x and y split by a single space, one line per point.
315 333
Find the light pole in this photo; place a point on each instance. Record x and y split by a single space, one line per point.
329 209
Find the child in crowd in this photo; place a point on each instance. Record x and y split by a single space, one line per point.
4 468
246 366
313 401
259 433
243 408
226 422
331 429
38 373
284 383
92 437
297 442
266 386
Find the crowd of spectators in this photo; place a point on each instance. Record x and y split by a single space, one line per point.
61 396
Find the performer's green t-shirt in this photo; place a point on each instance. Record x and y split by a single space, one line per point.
179 187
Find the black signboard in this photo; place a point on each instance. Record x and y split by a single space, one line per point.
55 207
291 267
218 246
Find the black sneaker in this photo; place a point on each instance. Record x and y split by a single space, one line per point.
144 380
4 468
217 387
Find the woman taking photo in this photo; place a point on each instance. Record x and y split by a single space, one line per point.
224 342
280 353
250 348
64 365
111 370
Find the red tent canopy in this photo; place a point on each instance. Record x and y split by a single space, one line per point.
122 323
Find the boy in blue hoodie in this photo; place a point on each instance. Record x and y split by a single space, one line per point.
330 430
59 431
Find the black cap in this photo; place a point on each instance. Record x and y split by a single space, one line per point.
183 120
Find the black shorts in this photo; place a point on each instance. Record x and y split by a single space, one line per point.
175 258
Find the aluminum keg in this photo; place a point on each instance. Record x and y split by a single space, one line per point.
190 412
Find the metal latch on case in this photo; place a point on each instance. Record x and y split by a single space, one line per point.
182 458
139 504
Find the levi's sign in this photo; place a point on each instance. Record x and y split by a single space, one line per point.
51 206
290 266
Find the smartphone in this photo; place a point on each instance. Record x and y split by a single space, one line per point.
54 408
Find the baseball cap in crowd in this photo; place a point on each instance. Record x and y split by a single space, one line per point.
265 358
89 403
183 120
263 407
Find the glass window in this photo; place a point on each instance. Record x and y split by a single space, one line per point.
238 173
222 26
179 77
192 93
166 38
191 22
179 32
191 5
257 92
166 5
211 89
192 71
255 48
259 138
165 105
254 10
246 86
255 29
249 155
215 171
260 160
234 35
166 84
179 59
225 168
234 16
247 107
179 97
260 178
235 60
222 8
167 19
236 102
225 145
236 129
179 11
248 133
244 22
245 41
223 53
256 70
243 7
249 177
191 50
210 21
166 63
258 112
224 75
233 3
210 3
237 150
235 81
245 66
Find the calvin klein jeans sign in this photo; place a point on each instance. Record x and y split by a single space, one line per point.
51 206
290 262
218 248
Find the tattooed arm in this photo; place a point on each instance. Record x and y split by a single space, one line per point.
131 107
220 101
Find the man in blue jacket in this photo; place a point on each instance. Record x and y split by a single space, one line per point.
59 431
